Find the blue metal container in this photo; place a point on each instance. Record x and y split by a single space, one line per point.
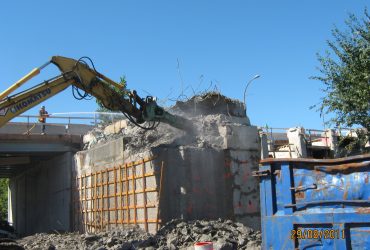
315 204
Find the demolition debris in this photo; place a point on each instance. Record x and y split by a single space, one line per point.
177 234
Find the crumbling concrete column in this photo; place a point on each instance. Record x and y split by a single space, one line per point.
206 174
264 145
10 205
297 141
331 139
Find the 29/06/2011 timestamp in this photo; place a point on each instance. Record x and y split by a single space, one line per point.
317 234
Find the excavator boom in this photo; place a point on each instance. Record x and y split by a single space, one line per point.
78 74
17 104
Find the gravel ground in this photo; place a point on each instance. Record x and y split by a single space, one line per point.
177 234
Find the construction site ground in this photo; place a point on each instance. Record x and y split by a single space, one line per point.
176 234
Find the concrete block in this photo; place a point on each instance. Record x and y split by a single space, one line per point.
249 186
297 140
240 137
115 127
139 184
264 145
99 157
236 196
131 214
198 182
140 199
152 197
331 138
245 197
140 213
253 203
152 228
234 168
151 182
238 179
237 120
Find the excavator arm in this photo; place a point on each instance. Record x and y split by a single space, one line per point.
81 76
15 105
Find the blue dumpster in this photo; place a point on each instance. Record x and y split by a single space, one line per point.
315 204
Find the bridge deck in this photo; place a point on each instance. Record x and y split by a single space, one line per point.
19 150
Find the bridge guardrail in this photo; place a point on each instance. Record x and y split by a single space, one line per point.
65 120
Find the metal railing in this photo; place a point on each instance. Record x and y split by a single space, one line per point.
272 145
318 136
65 120
278 142
94 118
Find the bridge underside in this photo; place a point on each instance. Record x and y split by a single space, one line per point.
39 168
20 152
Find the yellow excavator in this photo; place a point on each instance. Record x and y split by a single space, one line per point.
86 80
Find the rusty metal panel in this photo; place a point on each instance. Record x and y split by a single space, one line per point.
315 204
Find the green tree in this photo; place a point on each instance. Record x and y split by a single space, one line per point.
4 199
106 119
345 72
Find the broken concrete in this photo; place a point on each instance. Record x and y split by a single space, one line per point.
177 234
206 174
296 137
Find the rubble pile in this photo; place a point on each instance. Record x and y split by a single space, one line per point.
208 112
225 234
129 238
176 234
97 136
52 241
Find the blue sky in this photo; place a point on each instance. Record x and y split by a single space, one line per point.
221 42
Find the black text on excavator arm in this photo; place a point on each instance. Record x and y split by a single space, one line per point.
78 74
